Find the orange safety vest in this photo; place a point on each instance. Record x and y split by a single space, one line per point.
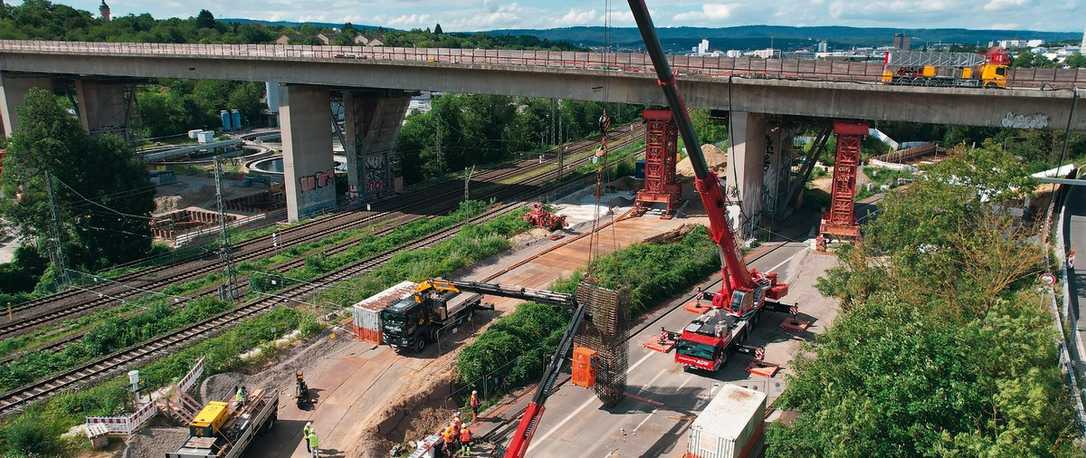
465 436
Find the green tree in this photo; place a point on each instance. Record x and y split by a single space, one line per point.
1077 60
437 29
103 192
205 20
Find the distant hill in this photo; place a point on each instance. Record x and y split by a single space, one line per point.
786 37
292 24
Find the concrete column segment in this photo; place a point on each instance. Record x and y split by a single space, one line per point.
372 129
105 106
745 171
308 167
13 89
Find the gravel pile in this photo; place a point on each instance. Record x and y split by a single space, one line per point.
220 387
155 442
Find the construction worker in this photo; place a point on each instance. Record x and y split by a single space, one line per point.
240 396
448 441
306 431
312 442
465 440
474 403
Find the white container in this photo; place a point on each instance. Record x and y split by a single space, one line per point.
205 136
731 426
366 315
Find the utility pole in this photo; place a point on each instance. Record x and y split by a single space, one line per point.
56 252
561 143
467 179
229 291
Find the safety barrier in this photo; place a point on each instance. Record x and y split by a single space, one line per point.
186 383
1070 346
630 63
127 424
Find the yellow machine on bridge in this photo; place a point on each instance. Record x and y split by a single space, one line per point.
947 69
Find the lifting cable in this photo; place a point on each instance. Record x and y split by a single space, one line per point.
600 157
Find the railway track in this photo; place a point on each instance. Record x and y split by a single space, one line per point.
112 364
257 248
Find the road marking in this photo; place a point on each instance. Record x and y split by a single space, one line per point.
688 379
583 406
641 361
654 379
647 417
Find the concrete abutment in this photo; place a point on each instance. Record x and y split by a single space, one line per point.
309 171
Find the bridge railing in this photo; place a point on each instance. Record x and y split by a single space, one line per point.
630 63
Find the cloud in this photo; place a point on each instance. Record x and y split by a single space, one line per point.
1000 5
712 12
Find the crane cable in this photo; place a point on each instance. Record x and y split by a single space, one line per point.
601 153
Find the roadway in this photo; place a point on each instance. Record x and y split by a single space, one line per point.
1076 206
663 399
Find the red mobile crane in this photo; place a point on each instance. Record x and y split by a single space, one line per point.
744 292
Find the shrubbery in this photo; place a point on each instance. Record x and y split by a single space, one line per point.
945 346
528 336
473 243
56 415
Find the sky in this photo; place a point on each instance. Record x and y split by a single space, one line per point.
472 15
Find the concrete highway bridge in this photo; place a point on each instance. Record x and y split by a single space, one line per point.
376 84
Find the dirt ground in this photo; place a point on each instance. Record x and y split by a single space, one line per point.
363 391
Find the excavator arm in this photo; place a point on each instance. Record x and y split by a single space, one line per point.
530 420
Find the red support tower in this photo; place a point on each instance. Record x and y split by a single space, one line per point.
660 155
840 220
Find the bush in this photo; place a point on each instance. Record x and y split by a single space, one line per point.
32 439
518 345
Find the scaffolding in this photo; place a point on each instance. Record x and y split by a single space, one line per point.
605 332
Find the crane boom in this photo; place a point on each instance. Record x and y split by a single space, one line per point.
737 277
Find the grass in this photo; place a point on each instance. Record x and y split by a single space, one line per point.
62 412
519 341
881 177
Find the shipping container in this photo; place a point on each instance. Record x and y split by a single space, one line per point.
731 426
366 315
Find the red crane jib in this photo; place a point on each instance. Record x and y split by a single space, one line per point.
736 273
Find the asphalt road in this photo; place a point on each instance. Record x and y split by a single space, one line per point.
662 399
1076 205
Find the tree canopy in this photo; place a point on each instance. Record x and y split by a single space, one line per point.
944 346
103 193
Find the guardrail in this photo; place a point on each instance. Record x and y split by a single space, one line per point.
1070 346
628 63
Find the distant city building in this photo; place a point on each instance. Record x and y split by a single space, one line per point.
1083 45
361 40
1016 44
282 40
733 53
902 41
324 39
702 49
823 46
376 42
103 9
767 53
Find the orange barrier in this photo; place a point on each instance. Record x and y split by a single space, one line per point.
655 345
584 367
763 369
697 307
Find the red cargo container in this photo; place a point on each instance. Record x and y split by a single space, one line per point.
366 315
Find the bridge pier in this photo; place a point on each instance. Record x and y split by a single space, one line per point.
308 169
371 129
105 106
745 170
13 89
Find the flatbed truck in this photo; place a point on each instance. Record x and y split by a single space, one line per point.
226 430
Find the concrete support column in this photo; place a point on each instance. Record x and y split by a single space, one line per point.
778 173
308 168
105 106
746 172
371 128
13 89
